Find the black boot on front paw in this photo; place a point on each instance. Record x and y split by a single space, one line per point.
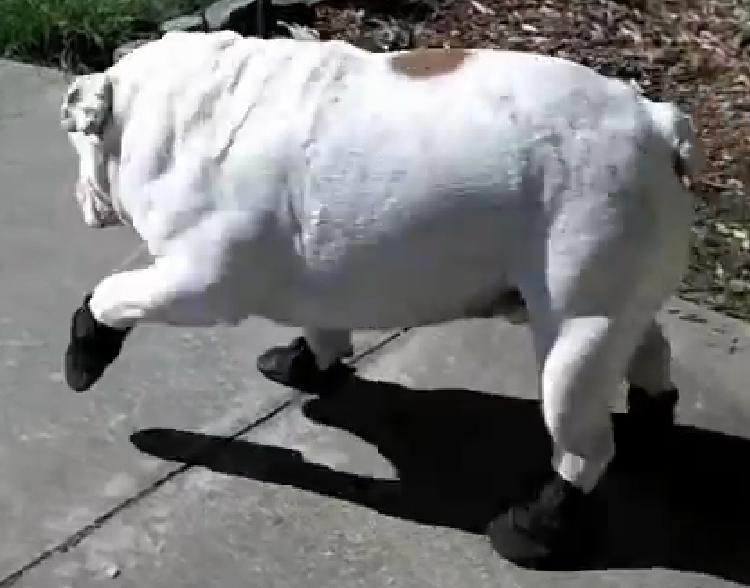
93 346
559 528
294 365
643 440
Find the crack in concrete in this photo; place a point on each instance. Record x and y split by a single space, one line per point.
83 533
365 354
76 538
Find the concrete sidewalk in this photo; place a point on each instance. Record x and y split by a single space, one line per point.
184 468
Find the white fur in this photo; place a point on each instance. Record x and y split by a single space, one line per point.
312 184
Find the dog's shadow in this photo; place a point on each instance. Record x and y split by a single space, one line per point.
462 456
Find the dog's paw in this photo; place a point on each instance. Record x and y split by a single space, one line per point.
92 347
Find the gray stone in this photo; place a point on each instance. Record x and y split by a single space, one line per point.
187 23
299 32
240 16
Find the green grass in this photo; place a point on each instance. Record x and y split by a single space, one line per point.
77 35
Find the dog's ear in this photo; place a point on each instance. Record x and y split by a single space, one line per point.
87 105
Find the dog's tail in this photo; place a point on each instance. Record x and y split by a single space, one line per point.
678 131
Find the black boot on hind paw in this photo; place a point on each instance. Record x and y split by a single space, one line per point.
643 440
561 528
294 366
654 412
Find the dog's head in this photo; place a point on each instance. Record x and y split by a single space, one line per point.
86 116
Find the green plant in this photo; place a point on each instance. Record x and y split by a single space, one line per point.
77 34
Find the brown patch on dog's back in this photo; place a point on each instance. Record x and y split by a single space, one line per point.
428 63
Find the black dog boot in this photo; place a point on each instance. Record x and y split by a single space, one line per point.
294 366
560 528
654 412
648 424
93 346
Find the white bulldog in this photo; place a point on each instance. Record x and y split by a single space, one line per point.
326 187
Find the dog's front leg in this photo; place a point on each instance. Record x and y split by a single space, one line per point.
170 291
